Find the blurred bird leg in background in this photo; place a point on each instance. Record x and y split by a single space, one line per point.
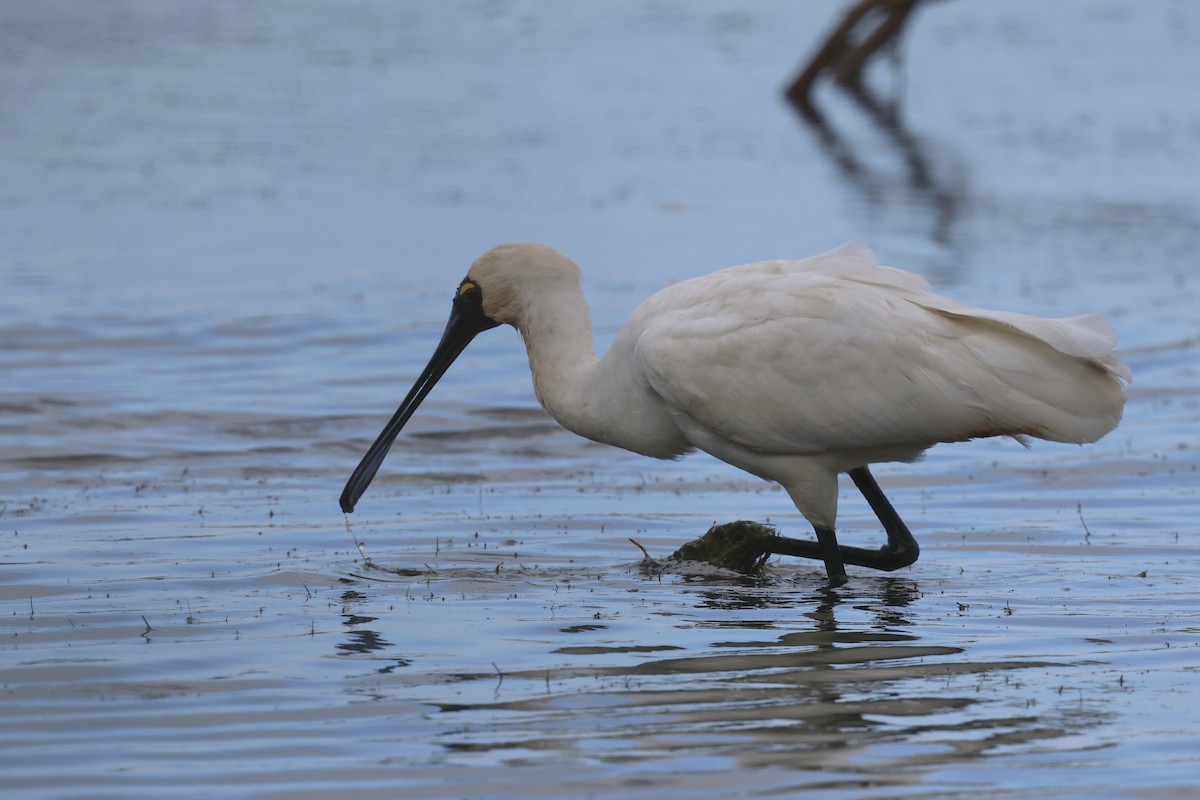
851 44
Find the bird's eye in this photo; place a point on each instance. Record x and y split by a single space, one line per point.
468 288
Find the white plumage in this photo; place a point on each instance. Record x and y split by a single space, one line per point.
794 371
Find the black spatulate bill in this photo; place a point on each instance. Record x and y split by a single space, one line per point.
466 320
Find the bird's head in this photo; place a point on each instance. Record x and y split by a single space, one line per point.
512 279
502 286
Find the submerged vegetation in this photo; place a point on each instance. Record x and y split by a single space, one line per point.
743 546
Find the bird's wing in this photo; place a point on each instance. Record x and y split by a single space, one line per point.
793 361
837 352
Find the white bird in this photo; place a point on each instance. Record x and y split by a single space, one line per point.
793 371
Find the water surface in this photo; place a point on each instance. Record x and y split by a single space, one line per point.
231 234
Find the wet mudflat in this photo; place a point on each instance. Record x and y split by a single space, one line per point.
231 238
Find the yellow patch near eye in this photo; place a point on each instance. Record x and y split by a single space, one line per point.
465 287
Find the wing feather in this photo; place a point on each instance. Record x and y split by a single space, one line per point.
835 352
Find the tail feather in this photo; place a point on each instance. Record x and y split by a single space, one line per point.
1088 336
1058 381
1055 379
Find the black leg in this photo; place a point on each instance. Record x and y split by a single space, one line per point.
901 549
831 554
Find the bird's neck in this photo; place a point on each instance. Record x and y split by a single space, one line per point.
562 358
603 399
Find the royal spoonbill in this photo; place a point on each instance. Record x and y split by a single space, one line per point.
793 371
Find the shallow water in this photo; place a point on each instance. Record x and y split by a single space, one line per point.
231 234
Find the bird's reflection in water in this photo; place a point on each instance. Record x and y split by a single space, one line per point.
359 641
363 641
883 597
774 671
936 186
843 671
366 642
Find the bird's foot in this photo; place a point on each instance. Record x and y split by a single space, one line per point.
837 579
895 555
